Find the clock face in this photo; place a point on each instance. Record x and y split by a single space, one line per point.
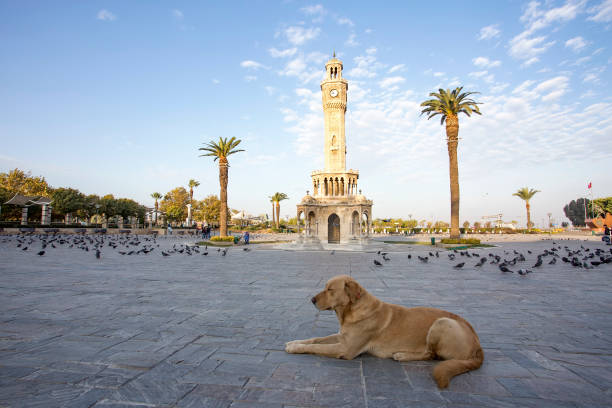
333 93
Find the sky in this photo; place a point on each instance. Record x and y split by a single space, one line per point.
117 97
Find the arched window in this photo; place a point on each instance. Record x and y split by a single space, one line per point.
333 140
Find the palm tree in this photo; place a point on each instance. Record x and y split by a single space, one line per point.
273 217
192 183
220 150
449 105
156 196
526 194
276 199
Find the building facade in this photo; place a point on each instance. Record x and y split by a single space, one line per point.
336 212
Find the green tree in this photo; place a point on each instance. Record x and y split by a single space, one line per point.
192 184
575 210
601 206
466 224
67 201
449 105
108 206
174 204
527 194
220 150
208 210
276 198
19 182
89 208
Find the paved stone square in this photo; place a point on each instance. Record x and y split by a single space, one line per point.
209 331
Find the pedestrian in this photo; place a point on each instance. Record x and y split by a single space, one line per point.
169 229
606 237
203 232
246 237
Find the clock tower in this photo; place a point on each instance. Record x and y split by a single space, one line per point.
336 212
334 89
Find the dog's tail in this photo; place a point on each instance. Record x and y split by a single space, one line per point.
447 369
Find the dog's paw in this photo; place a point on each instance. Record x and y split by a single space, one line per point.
399 356
293 346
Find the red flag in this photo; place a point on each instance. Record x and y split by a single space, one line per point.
590 185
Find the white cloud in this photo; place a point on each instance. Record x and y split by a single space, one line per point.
345 21
371 51
527 46
250 78
395 68
178 14
298 35
499 87
576 44
484 62
438 74
249 64
316 9
105 15
489 32
365 67
478 74
270 90
289 52
530 62
351 42
601 13
391 81
591 77
215 81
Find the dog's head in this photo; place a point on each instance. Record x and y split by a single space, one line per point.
341 290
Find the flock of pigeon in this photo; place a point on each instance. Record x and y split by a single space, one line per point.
127 245
581 258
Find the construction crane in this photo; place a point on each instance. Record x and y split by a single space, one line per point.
497 217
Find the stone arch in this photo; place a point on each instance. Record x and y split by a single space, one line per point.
365 222
342 191
355 225
311 224
333 229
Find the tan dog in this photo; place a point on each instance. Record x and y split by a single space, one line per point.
369 325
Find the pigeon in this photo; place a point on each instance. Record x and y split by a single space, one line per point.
41 253
596 263
523 272
423 259
163 253
377 263
248 249
482 261
409 256
24 248
553 261
459 265
503 268
205 253
332 252
224 252
431 254
437 254
98 253
538 263
386 259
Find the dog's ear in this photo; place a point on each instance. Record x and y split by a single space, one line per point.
353 290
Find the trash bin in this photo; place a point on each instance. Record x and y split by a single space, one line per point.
433 241
236 239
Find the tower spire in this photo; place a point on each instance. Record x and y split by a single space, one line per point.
334 53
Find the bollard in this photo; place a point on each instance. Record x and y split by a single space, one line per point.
433 241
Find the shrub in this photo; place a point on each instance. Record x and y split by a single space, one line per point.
468 241
222 239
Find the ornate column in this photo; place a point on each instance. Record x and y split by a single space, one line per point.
189 215
24 215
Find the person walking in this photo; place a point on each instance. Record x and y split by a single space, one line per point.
246 237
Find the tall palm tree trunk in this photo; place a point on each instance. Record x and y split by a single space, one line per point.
190 194
528 214
223 170
277 214
156 207
452 133
273 216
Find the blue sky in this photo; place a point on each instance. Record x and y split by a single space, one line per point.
116 97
